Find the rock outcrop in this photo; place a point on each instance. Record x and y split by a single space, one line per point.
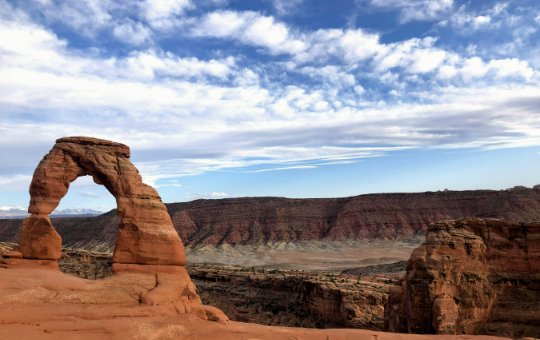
50 305
292 298
471 276
263 220
148 248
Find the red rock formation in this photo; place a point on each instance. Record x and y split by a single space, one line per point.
145 234
294 299
50 305
147 244
258 220
471 276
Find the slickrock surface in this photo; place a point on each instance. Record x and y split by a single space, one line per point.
49 305
263 220
266 297
471 276
44 304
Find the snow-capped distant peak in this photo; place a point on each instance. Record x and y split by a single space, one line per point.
12 211
77 211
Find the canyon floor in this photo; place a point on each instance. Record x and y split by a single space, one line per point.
313 256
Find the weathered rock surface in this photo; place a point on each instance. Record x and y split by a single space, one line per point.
49 305
261 220
471 276
149 255
145 233
266 297
288 298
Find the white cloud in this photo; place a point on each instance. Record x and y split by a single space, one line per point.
15 182
130 32
218 116
166 185
209 195
288 168
417 9
161 13
151 64
332 74
473 68
85 16
89 194
11 207
286 7
414 56
250 28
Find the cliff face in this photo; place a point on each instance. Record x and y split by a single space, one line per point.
294 299
471 276
259 220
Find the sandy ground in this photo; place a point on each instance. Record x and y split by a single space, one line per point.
310 256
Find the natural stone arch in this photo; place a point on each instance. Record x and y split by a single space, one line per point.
145 235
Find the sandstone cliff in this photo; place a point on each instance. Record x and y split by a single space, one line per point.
260 220
471 276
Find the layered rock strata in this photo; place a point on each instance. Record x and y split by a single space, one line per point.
294 299
471 276
268 220
147 245
145 233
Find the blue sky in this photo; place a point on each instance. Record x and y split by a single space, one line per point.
292 98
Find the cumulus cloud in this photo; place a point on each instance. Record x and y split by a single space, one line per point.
130 32
474 68
161 13
250 28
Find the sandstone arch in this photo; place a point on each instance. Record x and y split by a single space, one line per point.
149 256
145 235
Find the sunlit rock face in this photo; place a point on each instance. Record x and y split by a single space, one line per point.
145 234
148 248
471 276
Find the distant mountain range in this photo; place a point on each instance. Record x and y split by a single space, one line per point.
11 212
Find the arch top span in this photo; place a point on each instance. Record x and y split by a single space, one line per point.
145 235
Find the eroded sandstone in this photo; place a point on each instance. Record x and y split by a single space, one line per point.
471 276
149 255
